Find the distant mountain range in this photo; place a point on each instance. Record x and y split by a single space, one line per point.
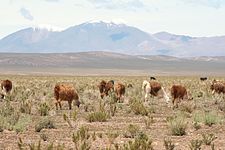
111 37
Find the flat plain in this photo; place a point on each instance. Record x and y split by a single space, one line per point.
29 118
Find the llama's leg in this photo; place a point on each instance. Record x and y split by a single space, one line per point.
70 102
174 102
60 105
146 97
56 104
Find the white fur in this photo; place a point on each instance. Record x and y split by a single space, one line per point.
165 96
5 93
147 89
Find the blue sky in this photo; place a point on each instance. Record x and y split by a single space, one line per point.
188 17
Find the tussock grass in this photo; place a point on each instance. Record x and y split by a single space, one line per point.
44 123
178 125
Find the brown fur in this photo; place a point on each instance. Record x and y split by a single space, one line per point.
130 85
155 87
7 86
101 87
203 78
178 92
119 90
64 92
218 87
104 87
152 78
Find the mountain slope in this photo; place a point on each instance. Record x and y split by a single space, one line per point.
26 40
193 46
102 36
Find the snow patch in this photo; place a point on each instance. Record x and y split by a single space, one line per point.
109 23
47 27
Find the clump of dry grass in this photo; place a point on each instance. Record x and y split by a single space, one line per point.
141 142
132 131
208 138
44 136
168 144
138 107
97 116
25 107
188 107
111 138
45 123
195 144
67 119
100 115
178 125
33 146
149 121
210 118
81 139
12 119
44 109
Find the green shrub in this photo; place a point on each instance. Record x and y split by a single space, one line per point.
97 117
168 144
111 137
148 121
151 109
210 118
132 131
43 136
187 107
178 125
112 109
12 119
197 119
25 107
208 138
44 123
20 144
195 144
138 108
7 109
58 147
196 125
22 123
67 119
33 146
74 114
81 139
44 109
141 142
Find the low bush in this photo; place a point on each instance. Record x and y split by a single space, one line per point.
178 125
97 116
44 123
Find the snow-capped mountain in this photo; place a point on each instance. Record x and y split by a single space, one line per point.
110 36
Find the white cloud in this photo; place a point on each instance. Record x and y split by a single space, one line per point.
52 0
131 5
208 3
26 14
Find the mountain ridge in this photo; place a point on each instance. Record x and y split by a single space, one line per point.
111 37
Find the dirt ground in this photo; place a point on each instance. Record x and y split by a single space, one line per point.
36 90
